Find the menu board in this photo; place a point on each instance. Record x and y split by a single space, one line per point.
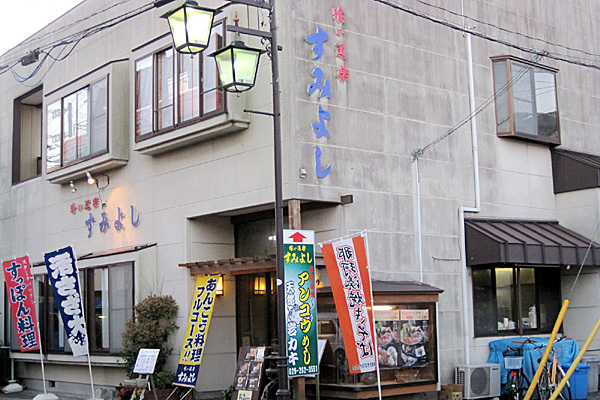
250 373
402 337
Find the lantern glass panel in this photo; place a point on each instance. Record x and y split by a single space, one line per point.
198 26
224 61
245 64
177 24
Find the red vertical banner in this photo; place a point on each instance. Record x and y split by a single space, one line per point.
19 287
348 270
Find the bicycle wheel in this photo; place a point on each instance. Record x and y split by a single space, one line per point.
543 386
565 394
524 383
512 384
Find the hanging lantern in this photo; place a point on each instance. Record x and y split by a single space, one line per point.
237 65
190 27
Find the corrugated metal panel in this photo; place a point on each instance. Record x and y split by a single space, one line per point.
491 241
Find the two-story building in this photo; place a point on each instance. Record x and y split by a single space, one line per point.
462 136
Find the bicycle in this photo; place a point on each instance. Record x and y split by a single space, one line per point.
551 377
516 379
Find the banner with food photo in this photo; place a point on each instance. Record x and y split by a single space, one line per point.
414 336
387 324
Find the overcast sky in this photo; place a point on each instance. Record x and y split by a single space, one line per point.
21 19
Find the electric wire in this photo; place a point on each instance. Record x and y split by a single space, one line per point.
509 31
34 39
76 38
584 258
488 37
502 90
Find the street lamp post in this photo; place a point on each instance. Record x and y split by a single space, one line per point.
237 57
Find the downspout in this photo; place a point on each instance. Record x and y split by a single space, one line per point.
419 229
463 210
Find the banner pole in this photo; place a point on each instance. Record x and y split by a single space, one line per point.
373 332
87 339
42 360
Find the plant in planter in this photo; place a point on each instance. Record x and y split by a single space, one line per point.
150 328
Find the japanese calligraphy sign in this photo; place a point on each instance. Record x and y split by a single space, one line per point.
300 302
196 333
346 262
19 289
319 85
62 272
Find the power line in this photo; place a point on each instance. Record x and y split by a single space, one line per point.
509 31
419 152
488 37
75 38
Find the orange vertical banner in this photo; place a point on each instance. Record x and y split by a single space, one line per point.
348 270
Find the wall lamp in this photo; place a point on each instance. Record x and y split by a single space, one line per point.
73 188
91 180
219 291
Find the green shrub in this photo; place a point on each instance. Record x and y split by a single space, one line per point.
150 328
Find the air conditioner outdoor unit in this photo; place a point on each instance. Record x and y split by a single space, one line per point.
478 380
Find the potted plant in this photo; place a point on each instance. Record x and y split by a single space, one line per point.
150 328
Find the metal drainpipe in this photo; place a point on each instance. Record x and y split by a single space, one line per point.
463 210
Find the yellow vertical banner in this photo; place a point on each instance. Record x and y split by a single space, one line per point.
197 331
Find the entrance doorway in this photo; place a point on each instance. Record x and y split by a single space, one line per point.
256 309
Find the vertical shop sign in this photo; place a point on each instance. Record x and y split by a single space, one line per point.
321 84
64 279
300 302
19 290
348 270
197 331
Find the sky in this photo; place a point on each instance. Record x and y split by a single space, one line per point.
37 13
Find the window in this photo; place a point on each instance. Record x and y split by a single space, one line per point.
526 102
406 344
108 302
78 126
172 89
27 136
515 300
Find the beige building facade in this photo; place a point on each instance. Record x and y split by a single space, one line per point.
394 121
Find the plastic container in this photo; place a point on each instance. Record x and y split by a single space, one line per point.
513 362
593 362
578 381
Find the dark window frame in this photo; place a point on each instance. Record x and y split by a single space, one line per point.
18 136
504 91
62 163
177 122
480 312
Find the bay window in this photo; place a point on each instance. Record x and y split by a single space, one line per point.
172 89
78 126
526 101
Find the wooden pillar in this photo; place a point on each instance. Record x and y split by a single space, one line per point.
294 214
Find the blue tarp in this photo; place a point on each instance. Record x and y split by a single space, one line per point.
565 350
